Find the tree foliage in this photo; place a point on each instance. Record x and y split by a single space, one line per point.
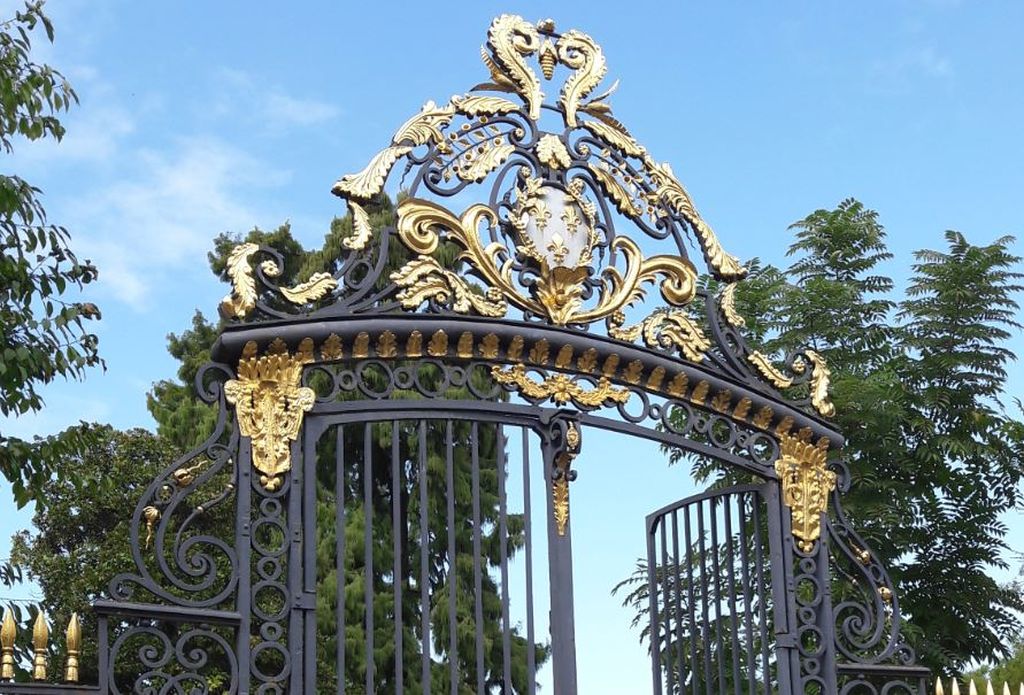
43 334
918 382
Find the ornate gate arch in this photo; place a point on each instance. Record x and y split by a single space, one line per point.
411 385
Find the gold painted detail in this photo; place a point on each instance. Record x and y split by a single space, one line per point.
551 152
666 329
643 187
150 515
242 298
769 371
820 375
422 223
423 279
561 388
806 484
728 306
40 646
562 475
73 641
8 635
270 405
560 494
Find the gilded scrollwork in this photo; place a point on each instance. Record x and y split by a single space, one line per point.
242 298
666 329
270 405
561 388
424 279
820 376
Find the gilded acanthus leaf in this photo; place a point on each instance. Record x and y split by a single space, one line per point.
560 499
769 371
242 298
581 53
723 265
802 468
665 329
479 105
361 230
511 38
820 375
426 126
318 285
728 306
616 191
370 181
483 163
423 279
616 137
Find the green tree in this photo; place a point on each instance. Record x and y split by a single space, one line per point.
43 334
918 384
80 541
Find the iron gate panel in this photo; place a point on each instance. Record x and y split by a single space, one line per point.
718 594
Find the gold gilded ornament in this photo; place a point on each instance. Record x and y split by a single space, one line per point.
423 279
361 230
728 306
769 371
806 484
820 375
318 285
664 328
551 152
8 635
151 515
242 297
581 53
73 642
510 39
270 405
40 646
560 388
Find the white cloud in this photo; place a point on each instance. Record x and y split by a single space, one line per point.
242 96
139 228
908 66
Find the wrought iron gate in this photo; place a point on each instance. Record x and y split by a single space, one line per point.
363 512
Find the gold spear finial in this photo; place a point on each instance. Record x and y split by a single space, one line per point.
938 687
40 642
956 687
8 633
74 644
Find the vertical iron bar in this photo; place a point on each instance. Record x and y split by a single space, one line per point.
705 631
762 595
340 527
477 578
311 436
748 618
780 545
694 666
652 601
716 568
506 629
368 517
243 483
396 536
730 561
452 568
531 657
563 629
294 493
677 583
667 603
424 561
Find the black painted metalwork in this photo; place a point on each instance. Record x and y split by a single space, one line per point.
386 558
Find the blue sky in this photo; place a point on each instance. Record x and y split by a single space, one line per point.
199 118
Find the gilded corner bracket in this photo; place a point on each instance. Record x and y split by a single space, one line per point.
270 405
806 484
